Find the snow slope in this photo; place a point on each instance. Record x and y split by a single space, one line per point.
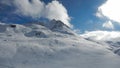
37 46
111 39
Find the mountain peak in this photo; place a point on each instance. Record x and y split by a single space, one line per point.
59 26
55 24
58 23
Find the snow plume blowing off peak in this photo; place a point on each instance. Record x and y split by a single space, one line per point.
37 9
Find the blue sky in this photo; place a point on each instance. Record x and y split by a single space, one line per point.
82 14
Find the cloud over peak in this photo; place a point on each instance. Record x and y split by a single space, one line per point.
38 9
56 10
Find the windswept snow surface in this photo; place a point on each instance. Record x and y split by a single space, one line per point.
36 46
106 38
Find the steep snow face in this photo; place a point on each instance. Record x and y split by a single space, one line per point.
37 46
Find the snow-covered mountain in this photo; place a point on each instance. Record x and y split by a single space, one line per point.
54 45
111 39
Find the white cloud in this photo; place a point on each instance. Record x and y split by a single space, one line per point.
56 10
99 14
37 9
108 25
33 9
111 10
102 35
77 31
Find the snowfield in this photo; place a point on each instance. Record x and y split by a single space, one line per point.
53 46
109 38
